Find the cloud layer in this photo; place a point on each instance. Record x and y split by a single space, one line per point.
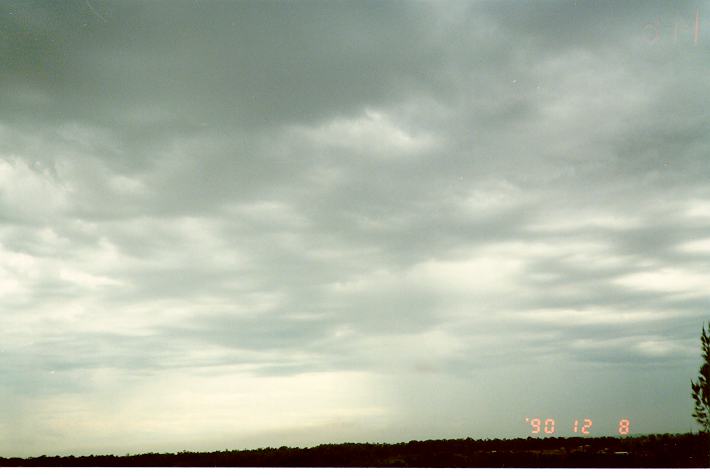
240 224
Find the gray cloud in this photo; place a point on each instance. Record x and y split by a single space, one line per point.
367 218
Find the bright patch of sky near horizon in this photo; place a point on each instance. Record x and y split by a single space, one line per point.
247 224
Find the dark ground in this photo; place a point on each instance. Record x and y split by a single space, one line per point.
649 451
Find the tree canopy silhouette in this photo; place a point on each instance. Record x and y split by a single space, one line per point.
701 388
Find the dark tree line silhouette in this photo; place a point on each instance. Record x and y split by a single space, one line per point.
651 451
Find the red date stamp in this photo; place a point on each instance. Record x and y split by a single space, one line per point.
547 426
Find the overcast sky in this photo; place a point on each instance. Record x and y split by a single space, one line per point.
247 224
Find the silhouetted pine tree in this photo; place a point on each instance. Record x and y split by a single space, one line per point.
701 388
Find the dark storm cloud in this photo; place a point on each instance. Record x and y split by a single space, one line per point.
258 64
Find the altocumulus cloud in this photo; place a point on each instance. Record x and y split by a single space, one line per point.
240 224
